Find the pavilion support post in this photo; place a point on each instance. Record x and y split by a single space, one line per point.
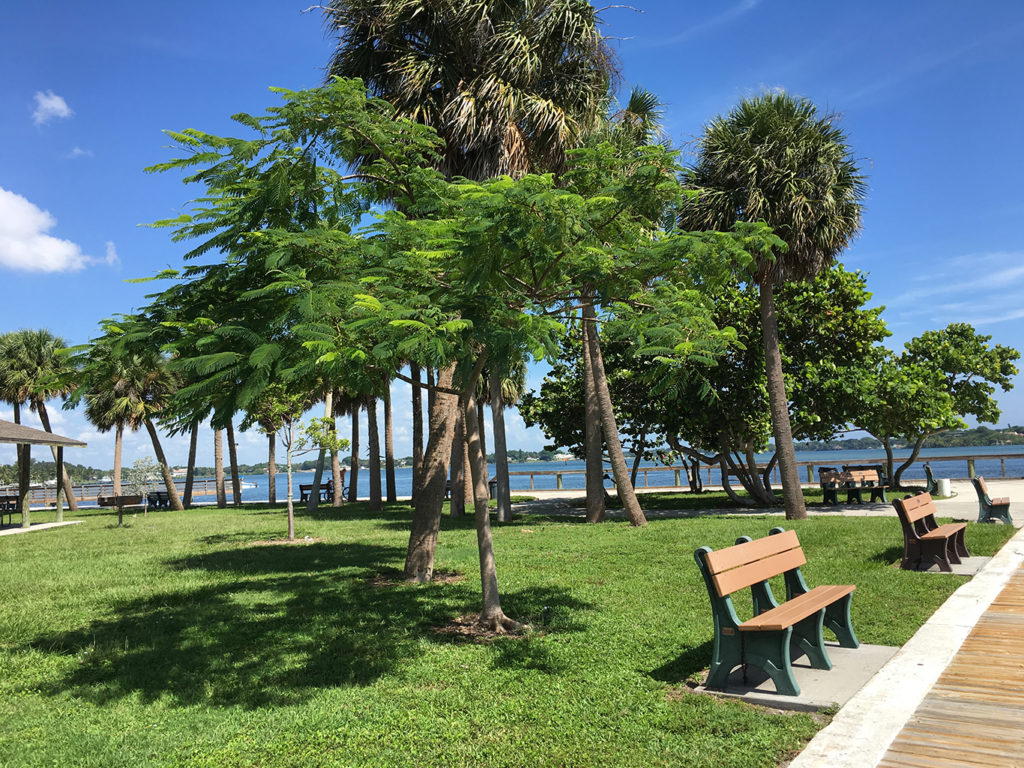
24 481
60 483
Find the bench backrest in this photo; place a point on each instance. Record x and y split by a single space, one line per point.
916 507
752 562
863 475
833 476
118 501
981 485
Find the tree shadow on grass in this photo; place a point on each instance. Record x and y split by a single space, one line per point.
267 626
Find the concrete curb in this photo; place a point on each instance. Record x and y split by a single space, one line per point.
862 731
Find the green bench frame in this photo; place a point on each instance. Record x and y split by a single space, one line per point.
989 509
765 640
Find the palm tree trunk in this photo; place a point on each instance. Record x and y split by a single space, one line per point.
272 468
417 424
218 467
337 481
457 484
627 495
389 448
792 493
467 474
428 496
353 480
431 391
373 436
491 615
236 481
118 444
165 470
44 417
190 471
318 476
592 439
504 492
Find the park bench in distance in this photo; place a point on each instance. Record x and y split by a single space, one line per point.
8 506
119 502
989 509
326 492
764 640
925 538
159 499
871 477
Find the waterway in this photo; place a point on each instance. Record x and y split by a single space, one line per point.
991 468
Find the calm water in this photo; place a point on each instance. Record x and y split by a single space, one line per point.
658 475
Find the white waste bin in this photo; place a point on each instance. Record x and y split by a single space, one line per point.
943 484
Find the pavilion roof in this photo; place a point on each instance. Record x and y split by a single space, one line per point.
17 433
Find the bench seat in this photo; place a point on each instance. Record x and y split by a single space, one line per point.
944 531
797 609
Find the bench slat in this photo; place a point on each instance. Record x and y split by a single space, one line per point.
944 531
751 551
800 607
917 507
738 578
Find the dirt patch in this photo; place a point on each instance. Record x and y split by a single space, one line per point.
395 579
278 542
468 629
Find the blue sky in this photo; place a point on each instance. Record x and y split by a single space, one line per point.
930 94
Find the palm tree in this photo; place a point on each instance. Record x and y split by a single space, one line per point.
507 85
34 371
775 159
127 388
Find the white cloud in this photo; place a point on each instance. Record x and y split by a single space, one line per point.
730 14
78 152
111 259
50 106
24 244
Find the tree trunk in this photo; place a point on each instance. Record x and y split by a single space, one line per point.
792 493
467 474
389 449
890 462
337 480
291 487
637 458
373 436
503 489
431 392
60 483
165 470
491 615
417 424
627 495
592 439
457 483
897 476
236 481
723 467
353 480
272 468
428 497
118 443
190 470
218 467
766 475
318 476
44 417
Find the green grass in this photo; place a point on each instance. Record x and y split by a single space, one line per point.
176 641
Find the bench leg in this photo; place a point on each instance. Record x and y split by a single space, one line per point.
939 552
878 494
770 651
829 496
912 555
811 642
993 513
837 618
726 656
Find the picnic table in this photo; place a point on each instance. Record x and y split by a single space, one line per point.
8 506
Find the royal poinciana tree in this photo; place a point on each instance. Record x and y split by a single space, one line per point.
776 159
454 273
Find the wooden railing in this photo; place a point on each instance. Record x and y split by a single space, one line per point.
205 486
679 472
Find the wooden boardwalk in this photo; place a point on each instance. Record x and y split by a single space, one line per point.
974 714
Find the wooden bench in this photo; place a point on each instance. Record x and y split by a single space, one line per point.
764 640
831 480
119 503
925 538
871 477
325 491
989 509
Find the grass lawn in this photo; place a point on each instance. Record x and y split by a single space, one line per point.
181 640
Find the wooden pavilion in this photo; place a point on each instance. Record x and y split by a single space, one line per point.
17 434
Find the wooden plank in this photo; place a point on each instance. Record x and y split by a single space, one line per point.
800 607
917 507
751 551
738 578
944 531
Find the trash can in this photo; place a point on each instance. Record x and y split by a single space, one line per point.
492 487
943 488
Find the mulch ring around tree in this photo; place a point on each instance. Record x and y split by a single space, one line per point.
468 629
395 578
277 542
